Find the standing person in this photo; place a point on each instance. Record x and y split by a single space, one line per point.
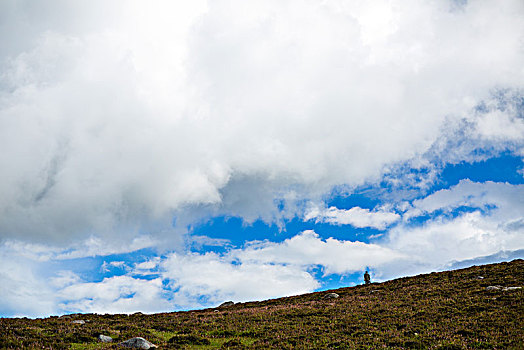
367 278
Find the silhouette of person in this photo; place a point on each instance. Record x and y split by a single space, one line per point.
367 278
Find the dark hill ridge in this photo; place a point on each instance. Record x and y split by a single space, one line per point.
474 308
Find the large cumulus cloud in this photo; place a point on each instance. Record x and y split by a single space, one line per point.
116 117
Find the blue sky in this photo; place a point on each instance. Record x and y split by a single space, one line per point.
160 156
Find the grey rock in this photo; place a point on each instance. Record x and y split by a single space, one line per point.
331 296
226 304
105 338
78 322
493 287
511 288
504 289
137 343
480 277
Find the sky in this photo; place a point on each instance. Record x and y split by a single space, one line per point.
171 155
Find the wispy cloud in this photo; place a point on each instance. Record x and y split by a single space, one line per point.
356 216
114 295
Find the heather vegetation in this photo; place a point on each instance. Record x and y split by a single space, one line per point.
475 308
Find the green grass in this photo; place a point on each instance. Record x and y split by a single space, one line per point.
446 310
79 346
217 343
165 336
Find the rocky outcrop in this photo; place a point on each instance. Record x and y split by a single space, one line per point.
226 304
330 296
137 343
105 338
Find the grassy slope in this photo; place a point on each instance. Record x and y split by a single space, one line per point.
446 310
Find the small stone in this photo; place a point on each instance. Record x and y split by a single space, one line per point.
510 288
493 287
226 304
78 322
137 343
480 277
331 296
505 289
105 338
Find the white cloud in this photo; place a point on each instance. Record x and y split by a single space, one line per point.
92 246
147 265
113 123
218 278
64 278
113 295
356 216
264 270
494 222
24 291
201 241
506 200
501 125
307 249
439 243
37 280
106 266
117 263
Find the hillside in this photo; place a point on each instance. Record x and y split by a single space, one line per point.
473 308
